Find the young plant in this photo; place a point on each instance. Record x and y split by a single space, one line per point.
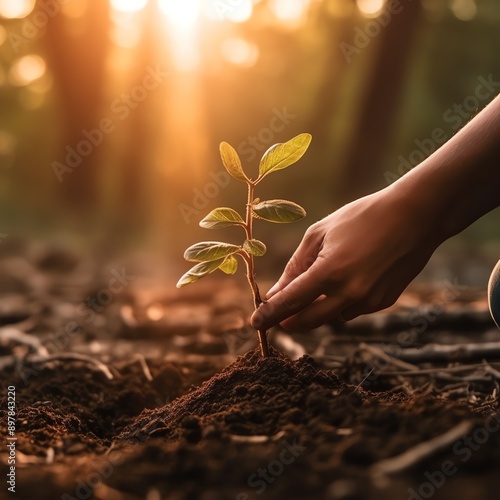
213 255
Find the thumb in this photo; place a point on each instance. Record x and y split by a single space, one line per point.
300 293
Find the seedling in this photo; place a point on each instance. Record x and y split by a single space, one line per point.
213 255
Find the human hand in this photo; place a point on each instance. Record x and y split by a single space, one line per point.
357 260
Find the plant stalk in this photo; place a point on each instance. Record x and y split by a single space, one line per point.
249 259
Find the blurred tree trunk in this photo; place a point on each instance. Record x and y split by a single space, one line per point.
329 89
363 169
76 54
136 167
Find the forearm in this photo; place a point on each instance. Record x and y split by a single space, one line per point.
461 181
360 258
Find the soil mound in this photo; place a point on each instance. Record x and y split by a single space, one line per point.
252 396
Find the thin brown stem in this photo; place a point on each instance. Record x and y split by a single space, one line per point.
249 260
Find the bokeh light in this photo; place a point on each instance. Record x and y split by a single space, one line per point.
181 15
155 311
239 52
289 10
237 12
12 9
465 10
26 70
370 8
125 32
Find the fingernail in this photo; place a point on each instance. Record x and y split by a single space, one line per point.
273 290
256 320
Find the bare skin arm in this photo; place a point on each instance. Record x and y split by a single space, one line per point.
360 258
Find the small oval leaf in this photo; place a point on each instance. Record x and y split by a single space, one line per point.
283 155
255 247
222 217
230 265
280 211
232 162
209 250
199 271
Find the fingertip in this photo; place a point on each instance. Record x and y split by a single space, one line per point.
263 317
257 319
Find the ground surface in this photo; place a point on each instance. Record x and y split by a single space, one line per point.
126 389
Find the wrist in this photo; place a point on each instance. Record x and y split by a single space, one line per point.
425 213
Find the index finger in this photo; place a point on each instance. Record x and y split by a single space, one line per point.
302 259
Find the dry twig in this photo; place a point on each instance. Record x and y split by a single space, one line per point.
421 451
72 356
379 352
14 335
145 367
440 352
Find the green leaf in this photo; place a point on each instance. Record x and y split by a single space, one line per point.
222 217
199 271
209 250
255 247
232 162
281 211
230 265
283 155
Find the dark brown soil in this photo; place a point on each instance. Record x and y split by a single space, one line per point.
252 396
226 438
186 419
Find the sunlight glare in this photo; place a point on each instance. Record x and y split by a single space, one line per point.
182 15
236 11
290 10
12 9
128 5
370 8
182 18
240 12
